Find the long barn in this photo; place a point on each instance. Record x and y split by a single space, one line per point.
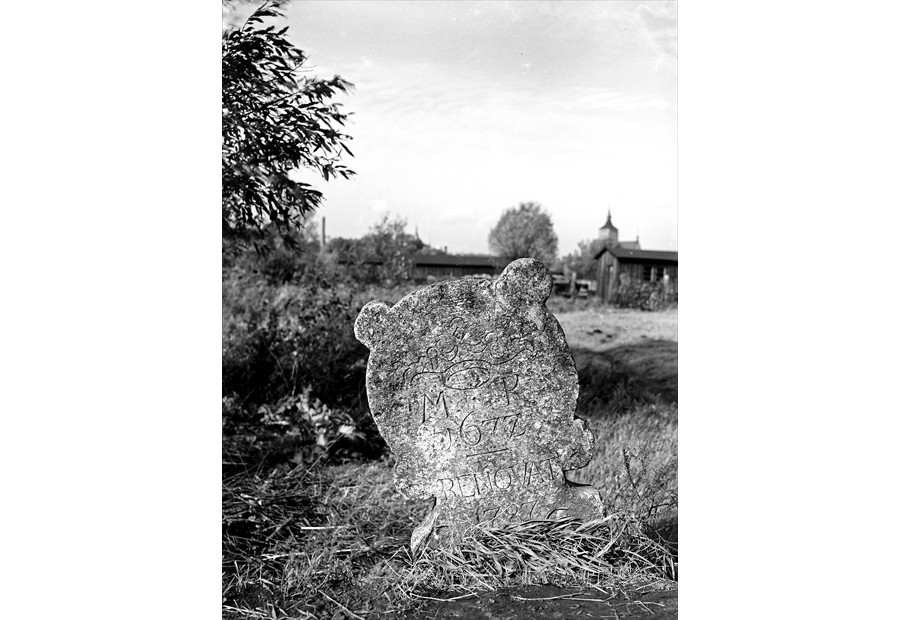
441 265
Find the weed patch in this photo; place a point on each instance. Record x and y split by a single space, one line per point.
319 541
635 467
567 553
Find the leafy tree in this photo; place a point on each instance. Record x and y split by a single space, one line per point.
274 122
383 255
389 243
525 231
582 261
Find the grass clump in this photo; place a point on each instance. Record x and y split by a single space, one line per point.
301 541
567 553
635 467
330 541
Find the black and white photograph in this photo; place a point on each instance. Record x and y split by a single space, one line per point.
449 310
351 310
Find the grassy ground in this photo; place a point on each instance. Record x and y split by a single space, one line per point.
327 539
602 329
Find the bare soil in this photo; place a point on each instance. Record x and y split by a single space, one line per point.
609 328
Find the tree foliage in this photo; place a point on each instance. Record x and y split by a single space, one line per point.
383 255
525 231
274 121
582 261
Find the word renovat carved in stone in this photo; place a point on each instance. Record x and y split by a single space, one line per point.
473 387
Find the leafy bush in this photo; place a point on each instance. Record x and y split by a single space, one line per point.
281 339
383 256
646 296
293 373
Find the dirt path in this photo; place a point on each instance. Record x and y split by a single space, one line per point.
538 602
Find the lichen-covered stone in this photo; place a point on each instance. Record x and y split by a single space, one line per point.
473 387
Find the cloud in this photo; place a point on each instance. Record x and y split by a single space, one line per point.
661 23
413 100
449 128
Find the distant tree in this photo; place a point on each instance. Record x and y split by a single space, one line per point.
274 122
383 255
582 261
525 231
389 243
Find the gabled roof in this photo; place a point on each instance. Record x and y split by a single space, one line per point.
442 259
630 245
627 255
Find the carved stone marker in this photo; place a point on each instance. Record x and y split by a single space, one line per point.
473 387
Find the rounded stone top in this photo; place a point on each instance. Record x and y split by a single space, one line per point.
524 282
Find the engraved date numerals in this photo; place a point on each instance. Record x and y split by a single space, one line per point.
493 514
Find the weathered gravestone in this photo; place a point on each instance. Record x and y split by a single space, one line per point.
473 387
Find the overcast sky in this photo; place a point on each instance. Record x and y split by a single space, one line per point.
462 109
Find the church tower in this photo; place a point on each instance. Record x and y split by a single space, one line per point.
609 234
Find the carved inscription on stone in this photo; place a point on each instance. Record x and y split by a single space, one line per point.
473 387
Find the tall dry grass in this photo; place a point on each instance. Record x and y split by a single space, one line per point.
308 540
309 534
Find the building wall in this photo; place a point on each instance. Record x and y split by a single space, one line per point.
607 276
420 273
612 272
648 271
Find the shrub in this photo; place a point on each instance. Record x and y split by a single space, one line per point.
383 256
646 296
281 256
280 339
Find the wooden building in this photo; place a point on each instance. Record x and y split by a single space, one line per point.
619 265
443 266
624 262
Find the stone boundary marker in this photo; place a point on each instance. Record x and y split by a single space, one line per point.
473 387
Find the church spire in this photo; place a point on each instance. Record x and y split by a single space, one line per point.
609 234
609 224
